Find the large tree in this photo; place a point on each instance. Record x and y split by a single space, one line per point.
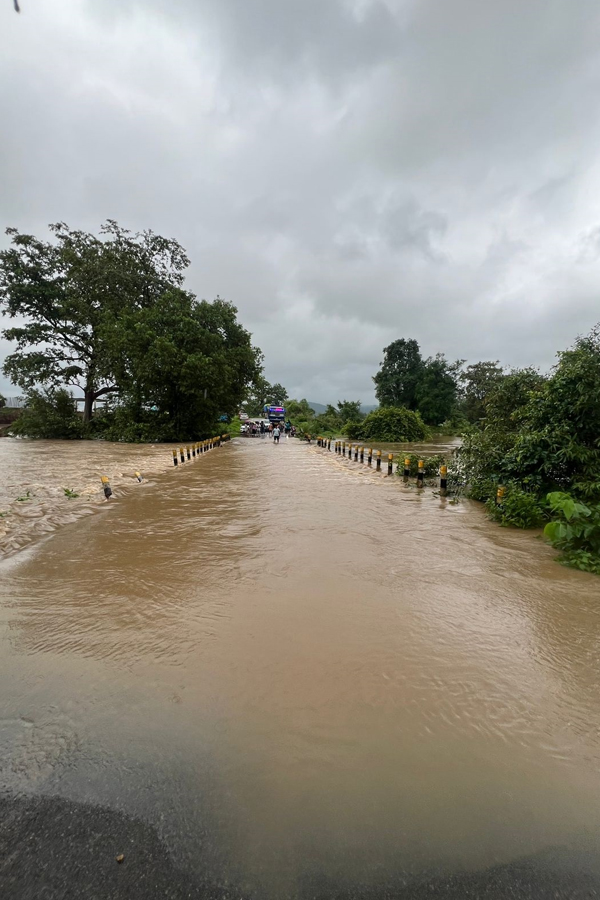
349 411
477 381
299 410
437 389
71 295
182 363
262 393
277 395
399 374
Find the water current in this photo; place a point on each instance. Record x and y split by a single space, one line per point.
312 680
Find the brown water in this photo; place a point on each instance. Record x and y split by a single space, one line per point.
304 673
36 476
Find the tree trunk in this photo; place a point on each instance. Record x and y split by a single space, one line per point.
89 397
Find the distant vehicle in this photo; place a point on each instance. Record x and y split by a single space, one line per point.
275 414
244 416
224 418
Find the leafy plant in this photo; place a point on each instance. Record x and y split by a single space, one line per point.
519 508
26 496
389 424
71 495
575 531
49 414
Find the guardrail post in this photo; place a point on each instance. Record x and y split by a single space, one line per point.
175 457
406 469
181 456
379 460
362 454
443 481
390 463
420 474
370 456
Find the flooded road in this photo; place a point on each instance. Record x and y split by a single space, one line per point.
311 682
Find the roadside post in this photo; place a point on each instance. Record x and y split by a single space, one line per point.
443 481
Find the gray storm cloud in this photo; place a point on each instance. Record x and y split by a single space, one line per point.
345 172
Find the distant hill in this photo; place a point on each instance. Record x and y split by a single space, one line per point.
320 408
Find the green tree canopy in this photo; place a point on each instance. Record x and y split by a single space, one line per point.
389 424
186 362
72 294
349 411
398 377
299 411
278 395
476 382
110 316
262 393
437 389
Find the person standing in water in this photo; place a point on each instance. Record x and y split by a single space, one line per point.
276 433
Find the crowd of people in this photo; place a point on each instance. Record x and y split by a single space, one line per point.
274 430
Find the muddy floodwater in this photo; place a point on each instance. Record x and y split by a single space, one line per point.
310 680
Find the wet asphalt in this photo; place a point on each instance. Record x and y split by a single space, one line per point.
55 849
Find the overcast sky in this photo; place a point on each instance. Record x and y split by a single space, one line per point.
347 172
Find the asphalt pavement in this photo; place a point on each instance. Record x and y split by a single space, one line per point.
55 849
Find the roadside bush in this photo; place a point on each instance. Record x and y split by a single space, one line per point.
574 531
389 425
234 427
519 508
49 414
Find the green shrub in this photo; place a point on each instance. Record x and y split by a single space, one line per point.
234 427
519 508
49 414
575 531
389 425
